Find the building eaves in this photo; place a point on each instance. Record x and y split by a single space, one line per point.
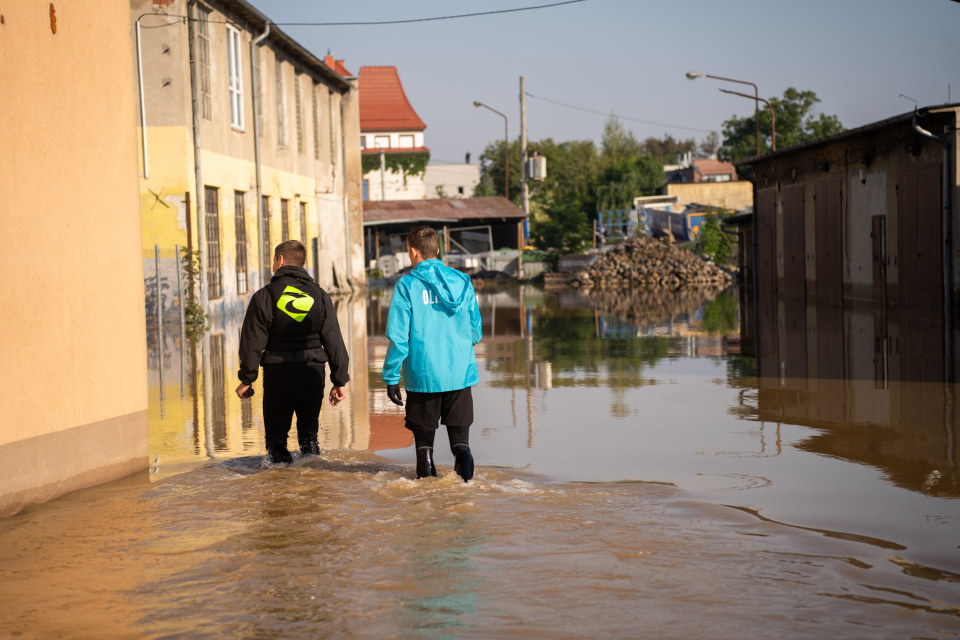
258 22
843 135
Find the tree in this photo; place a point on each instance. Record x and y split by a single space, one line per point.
627 169
581 180
715 243
667 150
492 165
565 229
709 145
795 123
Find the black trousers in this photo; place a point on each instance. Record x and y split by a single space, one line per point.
452 408
288 390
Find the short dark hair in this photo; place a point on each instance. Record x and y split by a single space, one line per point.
424 239
293 252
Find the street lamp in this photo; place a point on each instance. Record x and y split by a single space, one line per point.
773 120
756 97
506 153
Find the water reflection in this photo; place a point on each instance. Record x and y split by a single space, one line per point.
628 453
195 417
871 382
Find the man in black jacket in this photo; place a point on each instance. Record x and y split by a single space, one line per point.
291 329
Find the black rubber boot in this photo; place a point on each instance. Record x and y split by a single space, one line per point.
278 453
309 447
463 463
425 466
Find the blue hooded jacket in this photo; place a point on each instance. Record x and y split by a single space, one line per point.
433 324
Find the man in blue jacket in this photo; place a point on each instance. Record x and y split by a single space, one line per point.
434 322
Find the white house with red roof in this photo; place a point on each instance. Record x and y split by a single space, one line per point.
391 138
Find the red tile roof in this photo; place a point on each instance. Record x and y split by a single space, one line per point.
441 210
709 166
337 65
383 103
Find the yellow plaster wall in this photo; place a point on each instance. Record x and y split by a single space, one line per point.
728 195
162 203
72 310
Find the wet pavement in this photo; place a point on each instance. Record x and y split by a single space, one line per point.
636 477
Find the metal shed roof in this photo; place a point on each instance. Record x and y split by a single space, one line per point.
449 210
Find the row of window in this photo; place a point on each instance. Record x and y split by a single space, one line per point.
383 142
235 84
212 228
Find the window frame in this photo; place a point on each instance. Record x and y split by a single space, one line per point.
203 59
240 234
211 214
235 77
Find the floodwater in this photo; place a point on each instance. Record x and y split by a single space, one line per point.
636 478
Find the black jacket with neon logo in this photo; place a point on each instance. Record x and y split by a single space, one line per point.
292 321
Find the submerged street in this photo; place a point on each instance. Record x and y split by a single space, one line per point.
635 478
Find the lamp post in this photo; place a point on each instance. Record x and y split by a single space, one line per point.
756 96
773 120
506 153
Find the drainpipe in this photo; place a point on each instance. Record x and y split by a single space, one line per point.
947 245
343 159
254 66
143 108
201 221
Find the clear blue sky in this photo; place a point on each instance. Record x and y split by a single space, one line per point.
630 57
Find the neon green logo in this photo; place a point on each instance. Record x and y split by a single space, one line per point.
295 303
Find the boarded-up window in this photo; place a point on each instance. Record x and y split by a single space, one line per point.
284 220
240 224
299 106
303 223
316 123
211 214
266 249
281 119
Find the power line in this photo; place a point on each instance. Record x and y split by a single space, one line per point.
462 15
658 124
378 22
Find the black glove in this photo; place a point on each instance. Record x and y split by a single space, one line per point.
393 392
248 393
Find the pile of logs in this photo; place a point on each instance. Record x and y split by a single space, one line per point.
651 308
652 264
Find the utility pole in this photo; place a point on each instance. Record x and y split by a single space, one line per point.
523 155
523 177
383 173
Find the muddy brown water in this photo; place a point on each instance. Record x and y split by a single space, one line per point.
635 479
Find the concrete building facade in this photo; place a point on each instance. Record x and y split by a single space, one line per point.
249 140
73 374
451 180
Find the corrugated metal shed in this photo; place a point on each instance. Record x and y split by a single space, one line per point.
450 210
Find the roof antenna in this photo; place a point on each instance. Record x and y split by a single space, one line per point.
915 103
